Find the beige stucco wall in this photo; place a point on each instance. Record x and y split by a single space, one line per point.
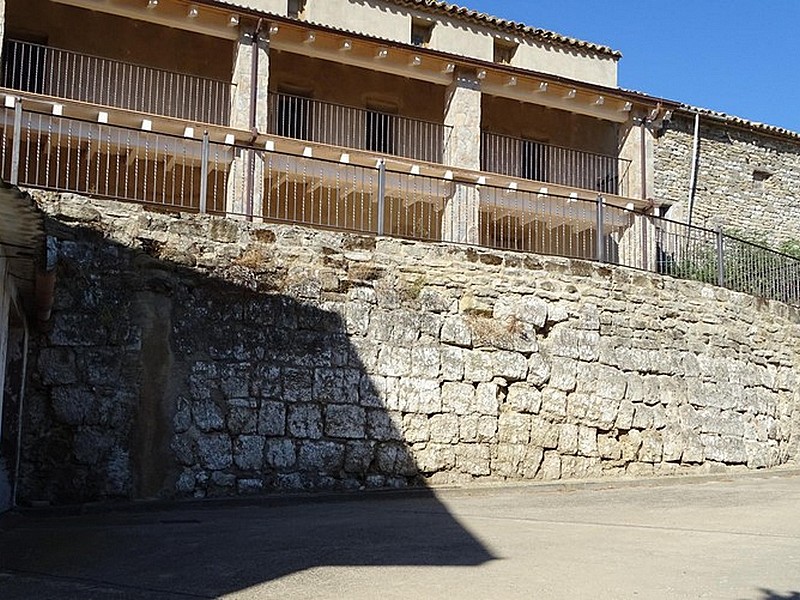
566 63
548 125
119 38
641 172
276 7
340 84
379 19
462 39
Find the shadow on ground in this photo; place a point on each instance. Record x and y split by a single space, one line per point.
196 552
162 380
774 595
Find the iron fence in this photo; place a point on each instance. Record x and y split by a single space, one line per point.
358 128
528 159
71 75
70 155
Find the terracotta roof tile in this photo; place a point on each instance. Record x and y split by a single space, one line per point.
510 26
740 122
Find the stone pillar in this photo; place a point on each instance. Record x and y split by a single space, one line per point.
246 172
638 181
461 218
637 246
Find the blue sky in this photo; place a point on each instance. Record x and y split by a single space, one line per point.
741 57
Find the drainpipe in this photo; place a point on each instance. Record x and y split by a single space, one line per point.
253 117
695 157
643 151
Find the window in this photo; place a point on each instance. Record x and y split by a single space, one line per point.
759 177
504 51
421 32
296 8
381 129
293 116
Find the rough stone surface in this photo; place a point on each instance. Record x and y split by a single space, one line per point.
746 182
309 369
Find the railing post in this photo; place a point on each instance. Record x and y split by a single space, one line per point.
204 155
381 194
720 258
601 246
17 143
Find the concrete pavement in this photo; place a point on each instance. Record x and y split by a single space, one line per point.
732 537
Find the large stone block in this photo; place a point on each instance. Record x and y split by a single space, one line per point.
248 452
57 366
419 395
383 425
280 454
524 398
568 439
208 416
305 421
458 398
487 399
321 456
345 421
724 449
514 428
215 451
272 418
474 459
444 429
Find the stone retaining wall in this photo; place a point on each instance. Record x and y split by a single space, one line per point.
746 182
195 356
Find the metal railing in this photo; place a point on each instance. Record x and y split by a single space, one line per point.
358 128
70 75
57 153
528 159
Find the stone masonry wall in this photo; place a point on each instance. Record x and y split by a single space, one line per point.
731 191
192 356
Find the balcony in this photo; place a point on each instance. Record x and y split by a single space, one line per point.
38 69
536 161
357 128
168 172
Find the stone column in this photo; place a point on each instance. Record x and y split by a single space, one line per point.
249 111
638 182
637 246
461 218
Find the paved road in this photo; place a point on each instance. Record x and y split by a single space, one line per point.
733 538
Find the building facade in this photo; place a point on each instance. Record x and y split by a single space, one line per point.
285 111
202 344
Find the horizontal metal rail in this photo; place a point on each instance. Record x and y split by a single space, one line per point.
358 128
528 159
70 75
61 154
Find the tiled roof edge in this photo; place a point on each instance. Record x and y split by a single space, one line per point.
446 8
510 26
741 122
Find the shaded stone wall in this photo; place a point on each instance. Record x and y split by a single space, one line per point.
747 182
193 356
